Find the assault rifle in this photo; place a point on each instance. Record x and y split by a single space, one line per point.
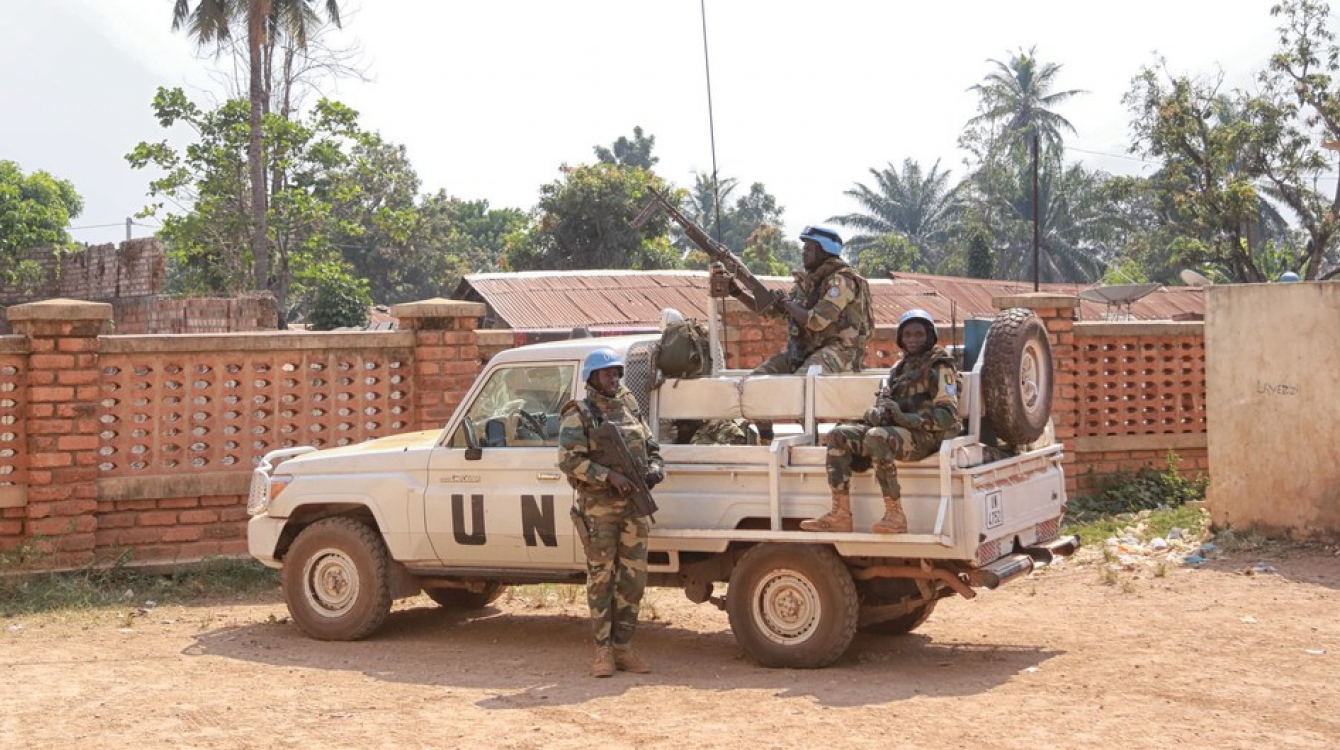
719 253
614 453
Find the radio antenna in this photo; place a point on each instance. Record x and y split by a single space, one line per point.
711 123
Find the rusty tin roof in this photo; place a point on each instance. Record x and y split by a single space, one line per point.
606 300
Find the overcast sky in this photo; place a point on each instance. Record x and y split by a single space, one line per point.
491 97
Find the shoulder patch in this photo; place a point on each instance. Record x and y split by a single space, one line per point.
834 292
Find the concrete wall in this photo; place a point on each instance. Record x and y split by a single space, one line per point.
1273 366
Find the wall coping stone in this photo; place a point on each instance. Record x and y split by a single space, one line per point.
1122 443
181 485
495 337
1140 328
1035 300
60 309
439 308
266 341
14 344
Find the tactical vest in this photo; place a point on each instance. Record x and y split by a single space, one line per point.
857 320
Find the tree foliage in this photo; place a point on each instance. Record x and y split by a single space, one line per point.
341 195
918 206
1017 97
212 22
625 153
1205 190
750 224
333 296
584 220
35 210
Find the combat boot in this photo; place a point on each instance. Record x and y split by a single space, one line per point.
893 522
604 663
627 661
837 519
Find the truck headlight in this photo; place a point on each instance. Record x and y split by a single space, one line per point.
264 489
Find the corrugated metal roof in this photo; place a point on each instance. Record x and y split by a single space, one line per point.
537 300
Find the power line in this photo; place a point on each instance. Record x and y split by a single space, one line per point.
1114 156
119 224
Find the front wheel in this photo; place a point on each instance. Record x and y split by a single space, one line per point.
336 581
792 605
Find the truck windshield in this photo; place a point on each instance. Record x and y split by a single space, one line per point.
519 407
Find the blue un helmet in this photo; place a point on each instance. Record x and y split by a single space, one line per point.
827 239
599 359
921 315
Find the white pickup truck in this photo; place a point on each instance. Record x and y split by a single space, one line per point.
462 512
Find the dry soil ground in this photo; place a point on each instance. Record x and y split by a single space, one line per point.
1208 657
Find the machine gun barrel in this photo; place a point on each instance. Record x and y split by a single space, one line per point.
716 251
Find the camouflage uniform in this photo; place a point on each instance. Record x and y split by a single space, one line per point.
840 320
924 385
616 564
724 432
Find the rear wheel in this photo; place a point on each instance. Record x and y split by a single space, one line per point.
903 624
792 605
465 599
336 580
1017 376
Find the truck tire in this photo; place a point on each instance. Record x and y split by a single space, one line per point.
903 624
465 600
1017 376
336 581
792 605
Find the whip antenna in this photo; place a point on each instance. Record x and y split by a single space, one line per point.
711 124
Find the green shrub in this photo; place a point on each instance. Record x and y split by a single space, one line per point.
334 298
1146 489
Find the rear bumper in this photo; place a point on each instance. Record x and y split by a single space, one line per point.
1021 563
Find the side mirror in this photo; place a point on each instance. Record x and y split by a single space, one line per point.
472 451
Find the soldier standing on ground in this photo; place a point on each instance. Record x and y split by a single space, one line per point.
616 555
828 311
919 411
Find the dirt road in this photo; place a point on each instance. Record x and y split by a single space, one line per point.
1243 651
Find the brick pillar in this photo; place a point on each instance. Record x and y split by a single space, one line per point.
749 337
1058 313
62 425
446 355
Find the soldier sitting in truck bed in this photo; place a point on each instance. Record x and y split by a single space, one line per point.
916 410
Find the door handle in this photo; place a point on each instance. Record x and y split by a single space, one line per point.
549 476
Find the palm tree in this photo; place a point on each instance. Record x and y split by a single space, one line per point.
1018 97
211 23
916 206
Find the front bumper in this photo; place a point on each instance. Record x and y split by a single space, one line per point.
263 539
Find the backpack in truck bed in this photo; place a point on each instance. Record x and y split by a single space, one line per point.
685 350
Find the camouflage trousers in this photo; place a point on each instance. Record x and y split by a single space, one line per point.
856 443
831 358
616 571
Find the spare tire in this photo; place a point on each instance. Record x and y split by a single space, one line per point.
1017 376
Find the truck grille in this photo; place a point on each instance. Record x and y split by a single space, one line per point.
639 372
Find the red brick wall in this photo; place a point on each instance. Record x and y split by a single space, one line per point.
145 443
130 276
162 314
134 268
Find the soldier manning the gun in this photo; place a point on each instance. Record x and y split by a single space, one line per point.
914 411
828 311
613 499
